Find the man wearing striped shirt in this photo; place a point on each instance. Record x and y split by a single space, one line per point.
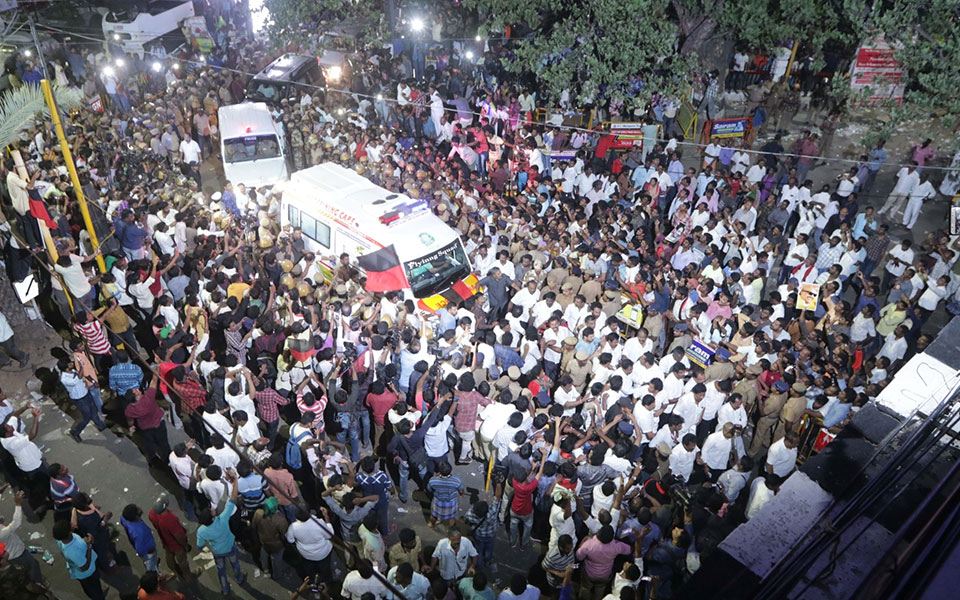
94 335
63 489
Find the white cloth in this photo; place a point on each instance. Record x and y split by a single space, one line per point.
782 459
760 494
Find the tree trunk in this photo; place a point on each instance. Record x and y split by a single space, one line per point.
699 32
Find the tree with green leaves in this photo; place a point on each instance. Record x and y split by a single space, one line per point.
302 23
608 48
596 46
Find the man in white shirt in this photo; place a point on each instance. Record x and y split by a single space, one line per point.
782 456
901 257
567 396
895 345
638 345
684 456
907 179
762 490
921 192
189 150
717 449
643 413
26 455
453 556
312 539
526 298
756 172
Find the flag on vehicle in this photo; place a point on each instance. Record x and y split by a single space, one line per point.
383 269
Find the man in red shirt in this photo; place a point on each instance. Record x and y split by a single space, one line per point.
173 538
380 400
469 401
192 397
521 509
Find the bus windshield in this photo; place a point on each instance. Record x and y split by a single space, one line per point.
432 273
251 147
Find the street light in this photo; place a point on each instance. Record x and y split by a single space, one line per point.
478 38
416 24
27 53
157 67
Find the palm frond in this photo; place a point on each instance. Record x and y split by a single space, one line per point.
20 108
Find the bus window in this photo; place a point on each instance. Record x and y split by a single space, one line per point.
293 215
315 230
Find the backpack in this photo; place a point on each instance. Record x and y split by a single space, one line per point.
292 454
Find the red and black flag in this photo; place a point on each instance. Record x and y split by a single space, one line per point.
384 272
301 349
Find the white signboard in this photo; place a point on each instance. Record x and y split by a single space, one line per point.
877 69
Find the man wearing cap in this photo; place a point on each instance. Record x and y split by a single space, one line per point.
722 366
566 297
769 416
792 410
748 388
592 287
578 368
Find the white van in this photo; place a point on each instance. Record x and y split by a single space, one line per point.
251 145
137 31
339 211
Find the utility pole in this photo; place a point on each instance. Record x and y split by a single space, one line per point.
65 150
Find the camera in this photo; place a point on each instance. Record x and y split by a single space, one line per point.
349 352
680 493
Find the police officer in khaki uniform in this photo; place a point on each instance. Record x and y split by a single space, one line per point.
578 367
769 416
792 410
566 296
592 287
721 367
747 387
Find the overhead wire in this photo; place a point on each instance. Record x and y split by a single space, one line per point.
385 98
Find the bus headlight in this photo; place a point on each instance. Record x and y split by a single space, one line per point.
334 73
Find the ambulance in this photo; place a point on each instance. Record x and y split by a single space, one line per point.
251 144
338 210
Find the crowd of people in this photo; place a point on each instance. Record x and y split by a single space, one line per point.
642 369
